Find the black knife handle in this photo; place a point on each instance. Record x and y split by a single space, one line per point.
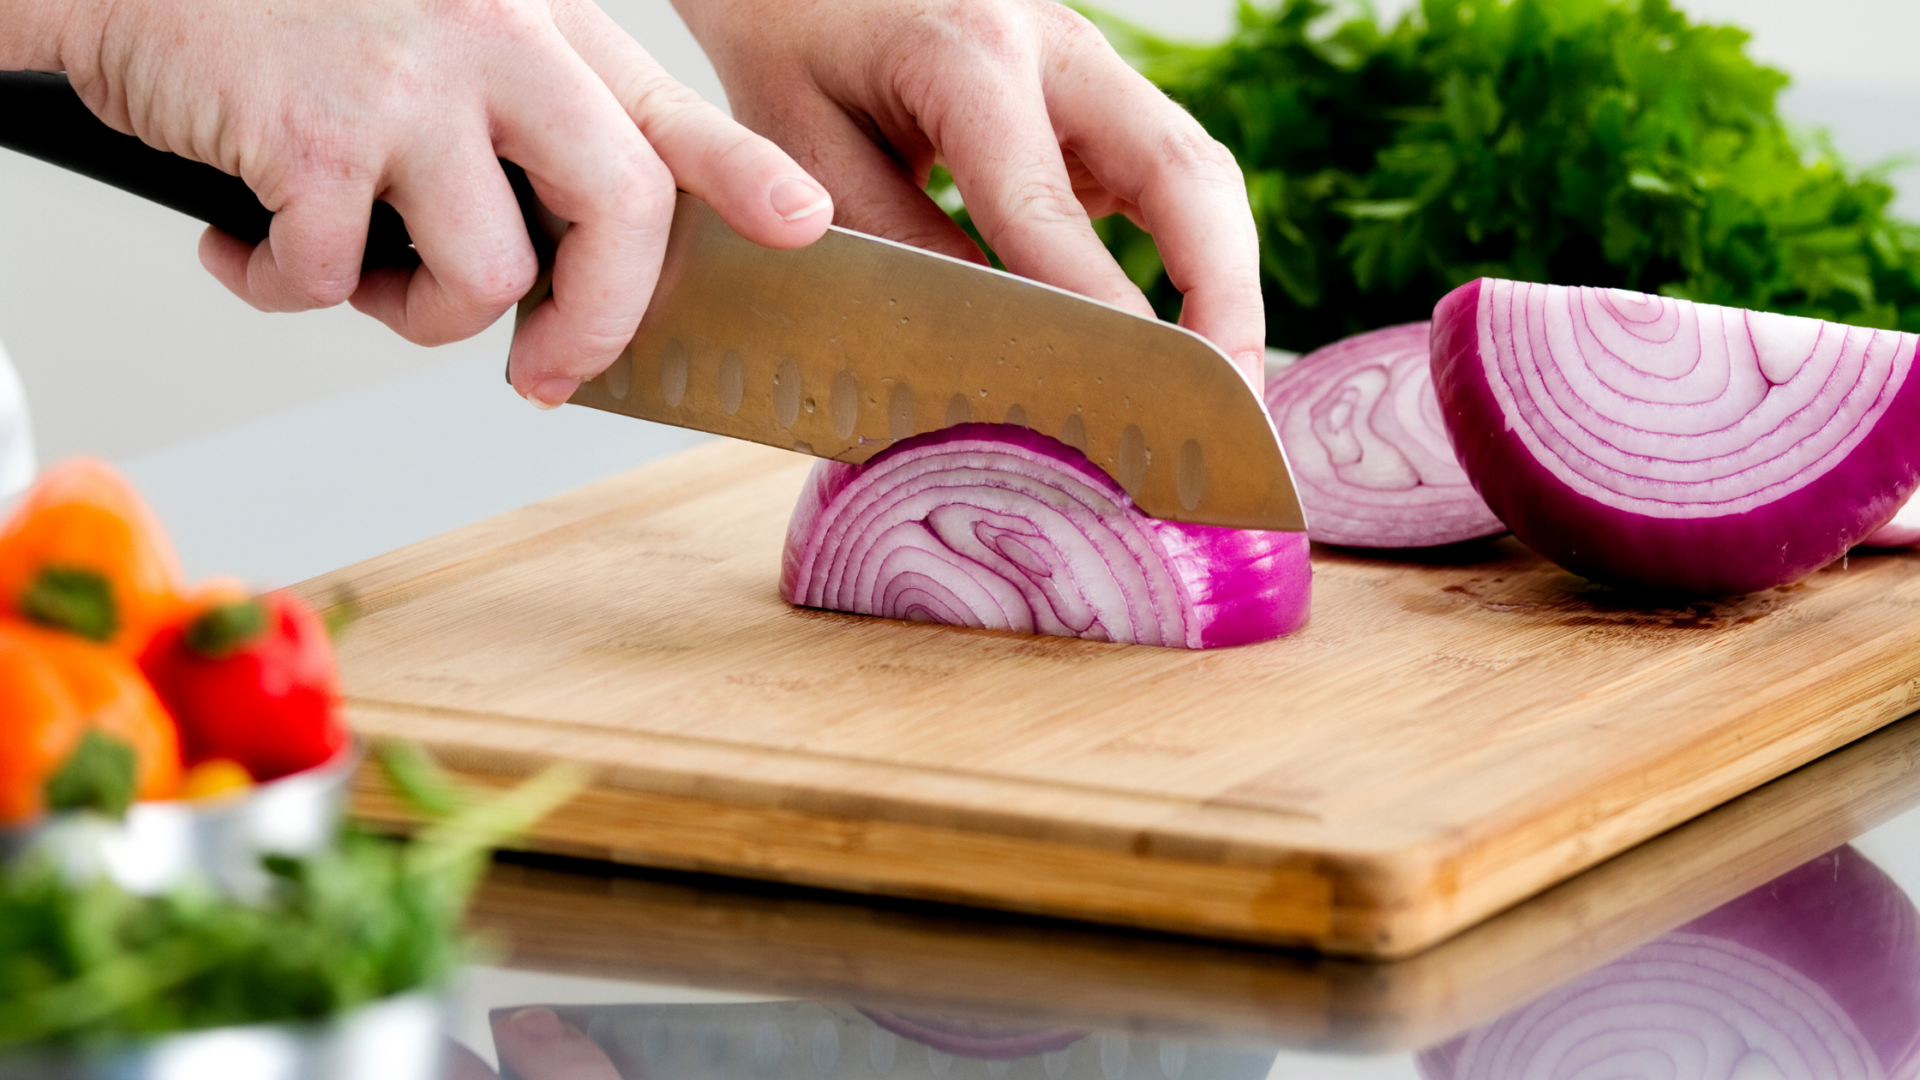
42 117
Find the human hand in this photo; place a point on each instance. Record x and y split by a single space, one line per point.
536 1045
1041 123
323 106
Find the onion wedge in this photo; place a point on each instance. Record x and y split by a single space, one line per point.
1369 453
1660 444
998 527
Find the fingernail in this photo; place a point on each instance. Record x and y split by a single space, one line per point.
794 198
552 393
538 1022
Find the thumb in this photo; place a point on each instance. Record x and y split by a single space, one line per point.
751 183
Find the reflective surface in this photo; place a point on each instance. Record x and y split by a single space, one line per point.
1775 937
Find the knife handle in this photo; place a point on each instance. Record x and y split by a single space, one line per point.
42 117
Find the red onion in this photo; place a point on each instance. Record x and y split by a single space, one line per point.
997 526
1815 974
982 1039
1661 444
1369 454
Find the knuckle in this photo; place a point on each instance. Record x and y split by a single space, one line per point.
491 285
1043 199
993 34
1188 150
1067 27
660 95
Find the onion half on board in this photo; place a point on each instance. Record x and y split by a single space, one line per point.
999 527
1665 445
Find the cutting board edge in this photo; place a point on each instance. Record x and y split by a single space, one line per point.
1266 906
1377 905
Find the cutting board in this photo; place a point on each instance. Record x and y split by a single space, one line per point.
611 923
1444 739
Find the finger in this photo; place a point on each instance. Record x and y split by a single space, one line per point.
873 192
591 167
311 256
754 186
1188 189
1007 162
537 1045
475 258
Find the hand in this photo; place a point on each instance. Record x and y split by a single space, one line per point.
1040 121
537 1045
322 106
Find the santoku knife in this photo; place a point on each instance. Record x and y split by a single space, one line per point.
837 349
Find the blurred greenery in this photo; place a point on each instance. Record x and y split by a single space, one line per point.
369 917
1580 142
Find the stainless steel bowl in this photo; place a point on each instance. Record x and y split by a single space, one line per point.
161 844
399 1038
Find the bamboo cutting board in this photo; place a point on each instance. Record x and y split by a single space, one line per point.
1442 740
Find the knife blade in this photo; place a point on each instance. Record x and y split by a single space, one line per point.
846 346
838 349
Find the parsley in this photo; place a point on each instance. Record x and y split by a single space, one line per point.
370 917
1580 142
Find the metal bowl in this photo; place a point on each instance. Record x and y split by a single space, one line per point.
399 1038
161 844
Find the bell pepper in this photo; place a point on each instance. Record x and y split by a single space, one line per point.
83 553
251 681
73 714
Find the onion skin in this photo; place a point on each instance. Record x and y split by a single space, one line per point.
1370 457
1823 510
1817 972
1000 527
1902 531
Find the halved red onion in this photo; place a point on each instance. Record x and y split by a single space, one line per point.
1657 443
1815 974
1369 453
1000 527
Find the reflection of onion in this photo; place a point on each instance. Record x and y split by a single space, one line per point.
1813 976
963 1037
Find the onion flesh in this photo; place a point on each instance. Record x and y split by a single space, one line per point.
999 527
1661 444
1370 456
1814 975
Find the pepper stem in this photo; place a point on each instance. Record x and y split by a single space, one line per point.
72 599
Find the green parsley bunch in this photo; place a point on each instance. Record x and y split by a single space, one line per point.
1578 142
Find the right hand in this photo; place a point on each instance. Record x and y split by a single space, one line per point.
323 106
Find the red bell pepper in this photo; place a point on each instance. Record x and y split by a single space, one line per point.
253 682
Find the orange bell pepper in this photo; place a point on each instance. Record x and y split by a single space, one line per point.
82 551
54 689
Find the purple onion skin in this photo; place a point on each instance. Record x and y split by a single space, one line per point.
1235 586
1838 921
1438 507
1774 544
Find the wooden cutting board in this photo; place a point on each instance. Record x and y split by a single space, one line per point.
1442 740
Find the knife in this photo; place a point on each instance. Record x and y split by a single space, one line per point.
838 349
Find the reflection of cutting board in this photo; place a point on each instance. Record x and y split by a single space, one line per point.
1441 741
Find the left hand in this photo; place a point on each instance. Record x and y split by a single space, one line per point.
1042 124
